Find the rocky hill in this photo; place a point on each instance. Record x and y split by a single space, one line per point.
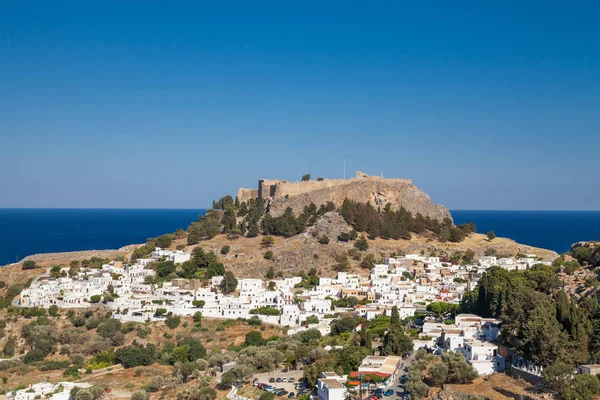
363 189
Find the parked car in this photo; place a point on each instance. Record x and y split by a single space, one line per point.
291 395
292 380
388 392
278 380
272 380
255 382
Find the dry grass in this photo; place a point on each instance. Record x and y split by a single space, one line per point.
497 387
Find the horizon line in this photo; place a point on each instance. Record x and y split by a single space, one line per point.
209 208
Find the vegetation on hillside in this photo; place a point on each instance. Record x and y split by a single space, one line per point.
390 224
539 321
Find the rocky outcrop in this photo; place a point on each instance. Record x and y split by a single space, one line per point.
379 192
331 225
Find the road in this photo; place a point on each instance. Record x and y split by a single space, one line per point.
396 385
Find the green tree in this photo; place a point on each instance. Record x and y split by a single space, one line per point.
53 310
368 262
229 282
491 235
396 342
197 317
270 274
342 263
361 243
582 386
198 303
268 255
55 271
84 394
305 177
225 249
254 338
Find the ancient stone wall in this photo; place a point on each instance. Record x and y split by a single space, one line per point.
290 189
379 192
247 194
363 188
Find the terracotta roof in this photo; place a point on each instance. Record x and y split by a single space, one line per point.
356 374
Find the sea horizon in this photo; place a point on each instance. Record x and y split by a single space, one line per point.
28 231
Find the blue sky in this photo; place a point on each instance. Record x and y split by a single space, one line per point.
486 105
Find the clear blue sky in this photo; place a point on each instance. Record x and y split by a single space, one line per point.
486 105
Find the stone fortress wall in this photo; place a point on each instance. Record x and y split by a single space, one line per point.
272 188
281 194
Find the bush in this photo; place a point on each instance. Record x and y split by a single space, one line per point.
53 310
156 383
138 395
361 244
34 355
197 317
265 311
84 394
198 303
225 249
254 338
323 239
95 298
29 265
268 255
267 241
134 356
172 322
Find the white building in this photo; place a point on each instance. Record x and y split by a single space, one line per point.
330 387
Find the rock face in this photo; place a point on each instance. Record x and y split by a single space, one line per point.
377 192
372 189
331 225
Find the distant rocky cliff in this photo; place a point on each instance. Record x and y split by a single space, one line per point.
364 188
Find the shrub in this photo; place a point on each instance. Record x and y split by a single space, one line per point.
323 239
29 265
134 356
53 310
156 383
95 298
198 303
265 311
172 322
138 395
225 249
268 255
34 355
361 244
267 241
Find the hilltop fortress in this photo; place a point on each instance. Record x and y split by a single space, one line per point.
376 190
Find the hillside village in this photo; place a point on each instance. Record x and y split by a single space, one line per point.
408 284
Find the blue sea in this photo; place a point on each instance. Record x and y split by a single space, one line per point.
30 231
554 230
